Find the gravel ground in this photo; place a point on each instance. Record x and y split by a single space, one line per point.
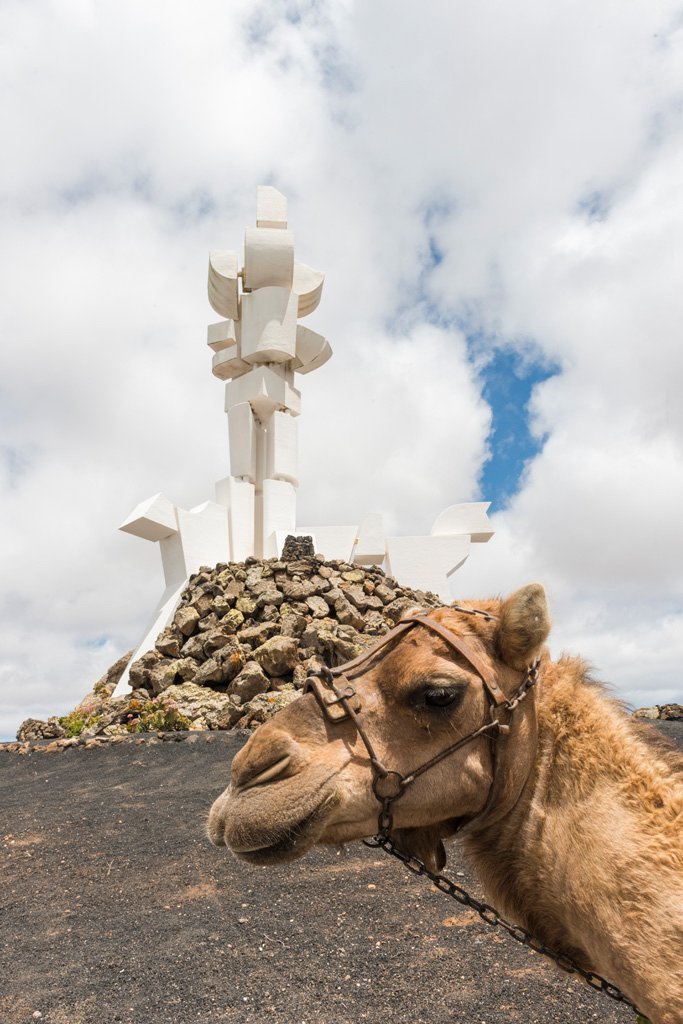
116 908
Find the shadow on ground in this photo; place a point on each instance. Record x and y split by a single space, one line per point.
116 908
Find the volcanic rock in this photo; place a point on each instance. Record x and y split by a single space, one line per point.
239 646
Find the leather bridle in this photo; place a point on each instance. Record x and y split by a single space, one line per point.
339 701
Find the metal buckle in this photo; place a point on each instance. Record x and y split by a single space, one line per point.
334 707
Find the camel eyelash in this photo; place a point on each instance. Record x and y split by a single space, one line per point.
433 697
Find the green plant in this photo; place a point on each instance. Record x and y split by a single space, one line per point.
161 715
74 723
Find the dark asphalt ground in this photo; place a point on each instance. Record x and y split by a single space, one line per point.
116 908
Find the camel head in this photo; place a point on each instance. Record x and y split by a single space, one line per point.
304 779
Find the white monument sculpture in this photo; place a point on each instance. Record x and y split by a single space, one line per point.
258 349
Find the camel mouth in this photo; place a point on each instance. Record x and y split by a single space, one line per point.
296 840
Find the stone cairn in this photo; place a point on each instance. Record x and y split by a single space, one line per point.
239 647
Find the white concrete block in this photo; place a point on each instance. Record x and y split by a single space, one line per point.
221 335
227 364
224 283
307 285
269 326
152 519
268 258
370 545
242 441
282 449
204 534
238 497
163 614
271 208
173 560
425 563
265 390
312 350
279 513
331 541
468 518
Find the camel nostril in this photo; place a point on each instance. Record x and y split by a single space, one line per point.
269 753
267 774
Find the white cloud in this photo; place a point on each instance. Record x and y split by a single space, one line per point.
540 150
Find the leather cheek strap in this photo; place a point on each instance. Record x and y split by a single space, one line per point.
496 694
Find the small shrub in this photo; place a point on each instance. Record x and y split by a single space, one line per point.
158 716
74 723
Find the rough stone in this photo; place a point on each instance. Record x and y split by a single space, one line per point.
231 659
168 645
233 620
385 593
374 624
202 604
357 596
354 576
222 604
250 681
246 605
107 684
647 713
293 624
319 606
347 614
258 634
209 672
195 701
398 608
186 619
265 705
36 729
302 566
163 676
229 714
209 621
296 548
187 668
277 656
215 639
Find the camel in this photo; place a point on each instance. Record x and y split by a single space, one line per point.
572 818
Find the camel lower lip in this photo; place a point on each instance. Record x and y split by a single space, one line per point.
296 836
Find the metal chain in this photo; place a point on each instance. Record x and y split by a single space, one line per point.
388 785
494 918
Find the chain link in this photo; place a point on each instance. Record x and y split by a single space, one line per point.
495 919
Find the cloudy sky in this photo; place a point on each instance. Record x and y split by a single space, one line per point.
495 192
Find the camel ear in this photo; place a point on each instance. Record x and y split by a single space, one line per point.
423 843
524 626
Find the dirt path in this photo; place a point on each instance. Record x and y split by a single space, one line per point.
116 908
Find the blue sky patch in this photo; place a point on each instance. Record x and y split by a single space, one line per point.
508 379
96 642
16 463
595 205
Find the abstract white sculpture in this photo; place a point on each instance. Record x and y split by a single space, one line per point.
257 350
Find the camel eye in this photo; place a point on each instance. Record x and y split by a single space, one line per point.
442 696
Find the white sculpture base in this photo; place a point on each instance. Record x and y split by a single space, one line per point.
223 531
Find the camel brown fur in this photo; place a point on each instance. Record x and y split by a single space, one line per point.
573 820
